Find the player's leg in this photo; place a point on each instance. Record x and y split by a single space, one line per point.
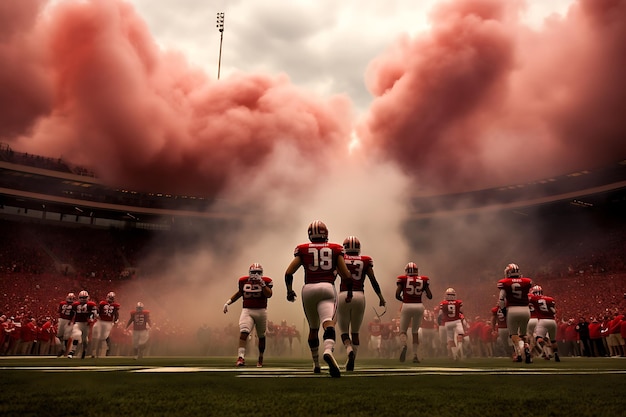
246 323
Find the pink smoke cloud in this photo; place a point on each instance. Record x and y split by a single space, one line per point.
482 100
143 118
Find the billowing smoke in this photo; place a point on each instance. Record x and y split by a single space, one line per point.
479 100
482 100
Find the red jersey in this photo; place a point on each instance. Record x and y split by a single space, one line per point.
108 311
516 290
413 286
542 306
65 310
374 328
319 260
84 312
252 291
451 310
140 319
358 265
498 317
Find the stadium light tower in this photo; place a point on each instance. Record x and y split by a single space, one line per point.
220 27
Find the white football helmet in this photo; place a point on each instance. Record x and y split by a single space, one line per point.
536 290
111 297
411 269
83 296
318 232
139 306
511 271
255 271
351 245
71 297
450 294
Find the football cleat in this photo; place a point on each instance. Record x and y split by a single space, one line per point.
240 362
333 368
317 369
403 354
556 357
415 360
350 364
259 364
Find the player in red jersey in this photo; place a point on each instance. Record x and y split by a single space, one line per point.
429 333
451 314
321 261
255 290
375 330
108 313
350 314
514 302
409 289
498 325
64 330
85 313
545 308
140 319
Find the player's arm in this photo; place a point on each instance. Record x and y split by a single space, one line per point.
502 300
295 264
343 270
130 321
266 289
231 300
399 289
429 294
376 287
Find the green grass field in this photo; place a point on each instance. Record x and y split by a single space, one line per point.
199 386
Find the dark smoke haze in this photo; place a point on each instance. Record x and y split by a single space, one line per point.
480 100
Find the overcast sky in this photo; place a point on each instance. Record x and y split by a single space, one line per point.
323 46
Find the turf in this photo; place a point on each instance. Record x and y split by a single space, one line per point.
213 387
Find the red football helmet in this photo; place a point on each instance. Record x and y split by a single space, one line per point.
450 294
411 269
351 245
71 297
511 271
536 290
318 232
83 296
256 269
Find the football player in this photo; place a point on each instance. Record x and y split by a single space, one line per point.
85 313
514 302
409 290
545 307
255 288
350 314
108 313
321 261
140 319
451 314
64 330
